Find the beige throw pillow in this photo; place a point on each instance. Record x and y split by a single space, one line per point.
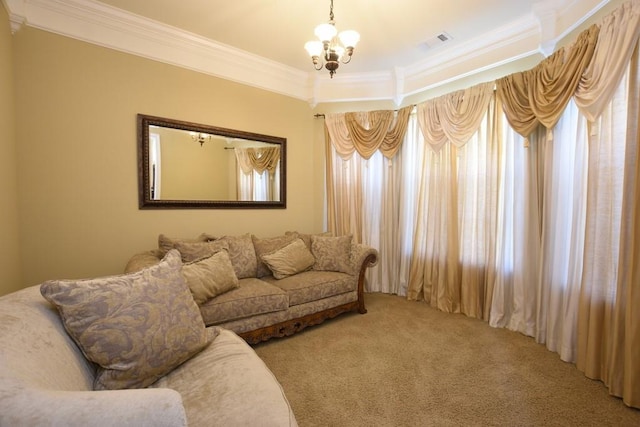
210 277
268 245
166 243
192 251
136 327
332 253
292 259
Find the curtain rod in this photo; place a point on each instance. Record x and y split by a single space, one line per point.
318 115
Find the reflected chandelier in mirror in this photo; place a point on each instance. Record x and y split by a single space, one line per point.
189 165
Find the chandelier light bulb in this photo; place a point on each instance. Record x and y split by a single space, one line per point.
349 38
326 32
314 48
331 48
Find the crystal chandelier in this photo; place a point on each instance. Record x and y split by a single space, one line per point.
332 47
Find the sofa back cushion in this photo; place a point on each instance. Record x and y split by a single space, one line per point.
242 254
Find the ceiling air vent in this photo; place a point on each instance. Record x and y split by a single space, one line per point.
438 40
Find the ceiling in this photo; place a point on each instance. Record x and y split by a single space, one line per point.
399 53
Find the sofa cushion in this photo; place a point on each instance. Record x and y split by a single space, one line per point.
314 285
268 245
210 277
191 251
242 254
136 327
292 259
166 243
227 384
252 296
306 237
332 253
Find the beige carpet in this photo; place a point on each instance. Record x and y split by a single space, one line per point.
406 364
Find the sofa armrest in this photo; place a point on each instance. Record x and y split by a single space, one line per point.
143 260
139 407
362 257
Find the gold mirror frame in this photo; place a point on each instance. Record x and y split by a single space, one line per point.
145 201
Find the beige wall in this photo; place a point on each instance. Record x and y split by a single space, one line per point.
76 123
10 273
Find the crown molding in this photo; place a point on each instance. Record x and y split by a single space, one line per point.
100 24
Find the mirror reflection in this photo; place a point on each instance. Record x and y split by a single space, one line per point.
191 165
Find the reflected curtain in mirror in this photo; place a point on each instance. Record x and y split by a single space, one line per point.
188 165
258 173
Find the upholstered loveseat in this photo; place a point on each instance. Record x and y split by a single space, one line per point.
129 350
284 283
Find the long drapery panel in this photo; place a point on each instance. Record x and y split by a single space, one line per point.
530 221
364 192
455 214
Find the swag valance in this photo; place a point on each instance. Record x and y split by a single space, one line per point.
258 159
368 131
541 94
454 117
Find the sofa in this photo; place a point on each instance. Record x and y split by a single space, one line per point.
128 350
284 283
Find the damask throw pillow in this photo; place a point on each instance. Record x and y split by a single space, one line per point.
136 327
291 259
209 277
332 253
268 245
242 254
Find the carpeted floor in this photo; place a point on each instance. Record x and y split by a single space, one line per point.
406 364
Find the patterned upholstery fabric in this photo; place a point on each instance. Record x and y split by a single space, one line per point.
264 246
253 296
243 255
210 277
306 238
166 243
192 251
291 259
136 327
314 285
332 253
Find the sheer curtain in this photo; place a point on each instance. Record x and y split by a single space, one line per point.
258 173
364 177
520 207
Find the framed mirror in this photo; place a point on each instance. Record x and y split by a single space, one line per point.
189 165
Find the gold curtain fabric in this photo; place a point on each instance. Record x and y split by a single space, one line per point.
454 253
540 95
454 117
608 346
258 159
367 132
619 32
